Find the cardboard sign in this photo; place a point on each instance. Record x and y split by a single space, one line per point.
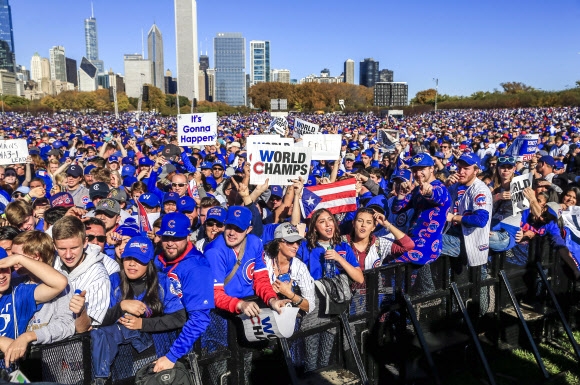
324 147
13 151
517 186
279 125
280 165
524 147
197 129
269 324
302 127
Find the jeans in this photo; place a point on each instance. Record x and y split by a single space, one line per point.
499 240
451 245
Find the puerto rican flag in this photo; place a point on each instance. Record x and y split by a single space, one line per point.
337 197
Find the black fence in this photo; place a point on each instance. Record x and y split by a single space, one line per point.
397 323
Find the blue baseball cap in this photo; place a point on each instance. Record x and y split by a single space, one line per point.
276 191
439 155
421 160
128 160
185 204
140 248
239 216
212 182
547 159
3 253
175 225
145 161
128 230
558 165
218 162
171 197
128 170
217 213
150 200
206 165
317 173
311 181
128 181
113 159
368 152
402 174
88 169
470 159
353 145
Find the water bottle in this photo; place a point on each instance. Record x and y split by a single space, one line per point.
329 267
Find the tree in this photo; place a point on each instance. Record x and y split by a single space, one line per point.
156 98
515 87
50 102
577 83
425 96
123 102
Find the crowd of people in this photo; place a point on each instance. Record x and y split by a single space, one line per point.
112 228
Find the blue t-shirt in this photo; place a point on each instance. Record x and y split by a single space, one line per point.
314 258
24 309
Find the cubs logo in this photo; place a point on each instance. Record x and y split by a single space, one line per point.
422 233
85 199
96 187
483 247
237 213
183 201
480 200
435 246
248 271
433 226
377 263
401 219
143 248
174 285
414 255
171 224
434 212
417 159
420 242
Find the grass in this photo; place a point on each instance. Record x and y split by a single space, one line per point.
518 366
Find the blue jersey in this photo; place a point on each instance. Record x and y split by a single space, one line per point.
24 306
171 302
190 280
427 223
223 259
314 258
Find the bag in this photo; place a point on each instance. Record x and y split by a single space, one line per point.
334 294
179 375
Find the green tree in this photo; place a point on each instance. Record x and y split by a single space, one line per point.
156 98
50 102
515 87
425 96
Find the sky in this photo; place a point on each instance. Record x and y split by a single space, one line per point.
468 45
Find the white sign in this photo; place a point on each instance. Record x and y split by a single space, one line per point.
13 151
279 164
270 140
324 147
302 127
388 138
197 129
517 186
279 125
269 324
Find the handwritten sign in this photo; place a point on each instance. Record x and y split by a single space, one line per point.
13 151
279 125
324 147
279 164
197 129
517 186
302 127
270 325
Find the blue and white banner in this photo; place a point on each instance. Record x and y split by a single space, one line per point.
524 147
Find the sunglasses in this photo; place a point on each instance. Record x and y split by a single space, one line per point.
178 184
214 224
217 169
17 195
292 243
506 159
100 238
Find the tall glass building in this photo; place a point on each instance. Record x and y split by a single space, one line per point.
230 68
259 61
7 57
92 43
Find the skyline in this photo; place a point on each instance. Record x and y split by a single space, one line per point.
468 47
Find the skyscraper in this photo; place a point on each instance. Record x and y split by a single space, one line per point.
7 57
57 63
92 42
137 73
259 61
71 71
369 72
282 76
230 68
186 48
349 71
87 76
203 62
35 67
386 76
155 55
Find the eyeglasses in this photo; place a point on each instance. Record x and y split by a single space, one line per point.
291 243
99 238
214 224
506 159
217 169
178 184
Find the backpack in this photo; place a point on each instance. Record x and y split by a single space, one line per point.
179 375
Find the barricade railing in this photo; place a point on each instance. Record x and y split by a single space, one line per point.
395 317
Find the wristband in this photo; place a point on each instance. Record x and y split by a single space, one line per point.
299 302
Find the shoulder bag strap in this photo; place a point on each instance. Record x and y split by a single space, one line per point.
238 262
14 314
